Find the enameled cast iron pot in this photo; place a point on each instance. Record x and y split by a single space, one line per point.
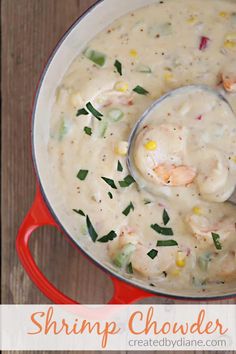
43 210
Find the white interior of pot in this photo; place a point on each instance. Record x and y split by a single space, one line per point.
72 44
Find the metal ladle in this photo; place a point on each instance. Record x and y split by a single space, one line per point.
130 162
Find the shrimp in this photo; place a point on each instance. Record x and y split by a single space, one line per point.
229 77
202 229
173 175
146 266
127 235
165 163
108 98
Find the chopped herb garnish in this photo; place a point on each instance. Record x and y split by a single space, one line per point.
130 268
93 110
166 231
93 234
165 274
110 182
151 284
109 237
165 217
166 243
216 239
82 112
82 174
88 130
140 90
152 254
118 67
80 212
128 209
119 167
127 181
110 195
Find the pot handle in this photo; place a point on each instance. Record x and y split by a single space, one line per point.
37 216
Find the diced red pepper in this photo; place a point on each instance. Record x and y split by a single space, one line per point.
199 117
203 43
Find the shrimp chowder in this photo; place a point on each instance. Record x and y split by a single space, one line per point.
172 227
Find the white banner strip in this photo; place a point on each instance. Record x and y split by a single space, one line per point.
118 327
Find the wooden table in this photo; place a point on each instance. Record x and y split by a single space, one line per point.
30 30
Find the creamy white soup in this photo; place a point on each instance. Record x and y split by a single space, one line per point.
172 225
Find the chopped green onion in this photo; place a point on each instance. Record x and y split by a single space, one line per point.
115 114
127 181
122 258
152 254
82 112
109 237
167 243
140 90
63 129
103 128
119 167
93 110
82 174
95 56
128 209
110 195
165 217
130 268
216 239
110 182
143 69
118 67
166 231
88 130
80 212
93 234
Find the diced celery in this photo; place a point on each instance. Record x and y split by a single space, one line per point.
122 257
103 125
233 16
163 29
143 69
63 129
203 261
115 114
198 283
95 56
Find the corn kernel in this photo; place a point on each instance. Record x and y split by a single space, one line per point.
121 86
230 44
233 159
122 148
192 20
151 145
197 210
168 76
181 259
76 100
223 14
175 272
133 53
231 36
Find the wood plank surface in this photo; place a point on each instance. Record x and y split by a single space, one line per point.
30 30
